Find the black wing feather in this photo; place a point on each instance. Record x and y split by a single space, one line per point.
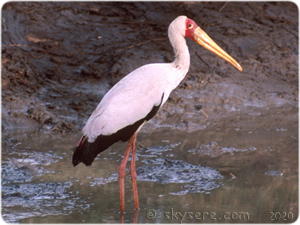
86 151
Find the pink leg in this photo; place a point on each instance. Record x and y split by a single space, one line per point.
135 218
122 171
121 217
133 174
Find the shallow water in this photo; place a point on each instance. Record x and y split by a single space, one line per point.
234 170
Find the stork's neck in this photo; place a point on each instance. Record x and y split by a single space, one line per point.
182 55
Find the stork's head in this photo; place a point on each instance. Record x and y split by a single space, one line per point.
191 30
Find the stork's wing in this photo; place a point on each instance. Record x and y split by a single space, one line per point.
129 101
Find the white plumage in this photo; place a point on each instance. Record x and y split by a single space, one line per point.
136 99
134 96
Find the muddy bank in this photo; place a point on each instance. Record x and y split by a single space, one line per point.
59 59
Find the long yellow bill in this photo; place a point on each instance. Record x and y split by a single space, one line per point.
204 40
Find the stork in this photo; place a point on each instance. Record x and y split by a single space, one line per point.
136 98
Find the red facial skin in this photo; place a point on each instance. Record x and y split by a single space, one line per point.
190 27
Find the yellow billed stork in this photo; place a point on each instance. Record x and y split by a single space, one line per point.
137 97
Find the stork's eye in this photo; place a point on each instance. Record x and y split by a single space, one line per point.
190 25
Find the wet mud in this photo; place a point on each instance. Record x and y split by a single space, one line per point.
59 59
225 141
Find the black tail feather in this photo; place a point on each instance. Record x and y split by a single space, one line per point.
86 151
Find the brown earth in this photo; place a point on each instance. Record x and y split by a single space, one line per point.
60 58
